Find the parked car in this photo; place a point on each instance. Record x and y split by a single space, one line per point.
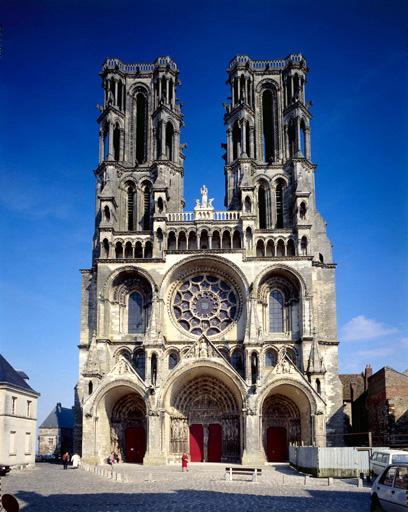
4 470
390 490
380 459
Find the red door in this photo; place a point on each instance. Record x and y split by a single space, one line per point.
135 439
214 442
196 442
277 444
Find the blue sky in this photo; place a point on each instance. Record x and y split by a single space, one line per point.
52 53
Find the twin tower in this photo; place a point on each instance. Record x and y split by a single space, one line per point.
267 149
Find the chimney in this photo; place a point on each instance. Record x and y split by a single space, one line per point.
367 374
59 407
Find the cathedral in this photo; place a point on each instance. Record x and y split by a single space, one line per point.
205 331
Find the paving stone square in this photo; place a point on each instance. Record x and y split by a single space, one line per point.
49 488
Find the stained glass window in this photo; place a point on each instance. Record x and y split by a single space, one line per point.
136 318
276 304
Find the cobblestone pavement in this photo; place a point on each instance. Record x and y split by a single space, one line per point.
48 488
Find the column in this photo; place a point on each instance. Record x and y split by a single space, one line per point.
229 145
116 93
101 148
243 139
251 142
253 454
298 136
160 91
154 453
110 149
308 155
163 141
122 145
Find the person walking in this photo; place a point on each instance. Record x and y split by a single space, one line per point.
75 459
184 462
65 460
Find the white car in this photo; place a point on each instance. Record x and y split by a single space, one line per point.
380 459
390 490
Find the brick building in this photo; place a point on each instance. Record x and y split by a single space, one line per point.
377 403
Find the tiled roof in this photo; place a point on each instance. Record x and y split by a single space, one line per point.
347 379
10 376
59 417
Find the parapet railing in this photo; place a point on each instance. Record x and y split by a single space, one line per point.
142 67
265 64
224 215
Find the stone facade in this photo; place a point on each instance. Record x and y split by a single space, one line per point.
205 331
18 417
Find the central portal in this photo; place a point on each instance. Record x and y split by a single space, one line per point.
207 423
206 440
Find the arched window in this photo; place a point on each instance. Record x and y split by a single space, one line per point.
120 94
292 355
268 125
171 241
105 248
130 207
204 239
141 121
303 138
242 87
236 141
248 237
236 240
260 248
280 249
237 361
182 241
270 358
163 87
276 305
169 141
192 241
90 387
292 138
279 204
247 205
146 220
302 210
128 250
148 249
153 369
303 246
262 205
216 241
139 362
136 315
116 143
318 387
171 91
226 240
139 249
254 367
160 205
173 360
118 250
291 248
321 259
235 91
270 249
106 213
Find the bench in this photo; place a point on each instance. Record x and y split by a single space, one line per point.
252 472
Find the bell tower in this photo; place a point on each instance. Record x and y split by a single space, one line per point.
140 171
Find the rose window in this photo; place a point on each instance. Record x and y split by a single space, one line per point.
205 304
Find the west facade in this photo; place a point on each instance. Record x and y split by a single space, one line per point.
211 332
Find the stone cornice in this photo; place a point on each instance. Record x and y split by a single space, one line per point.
324 265
129 260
